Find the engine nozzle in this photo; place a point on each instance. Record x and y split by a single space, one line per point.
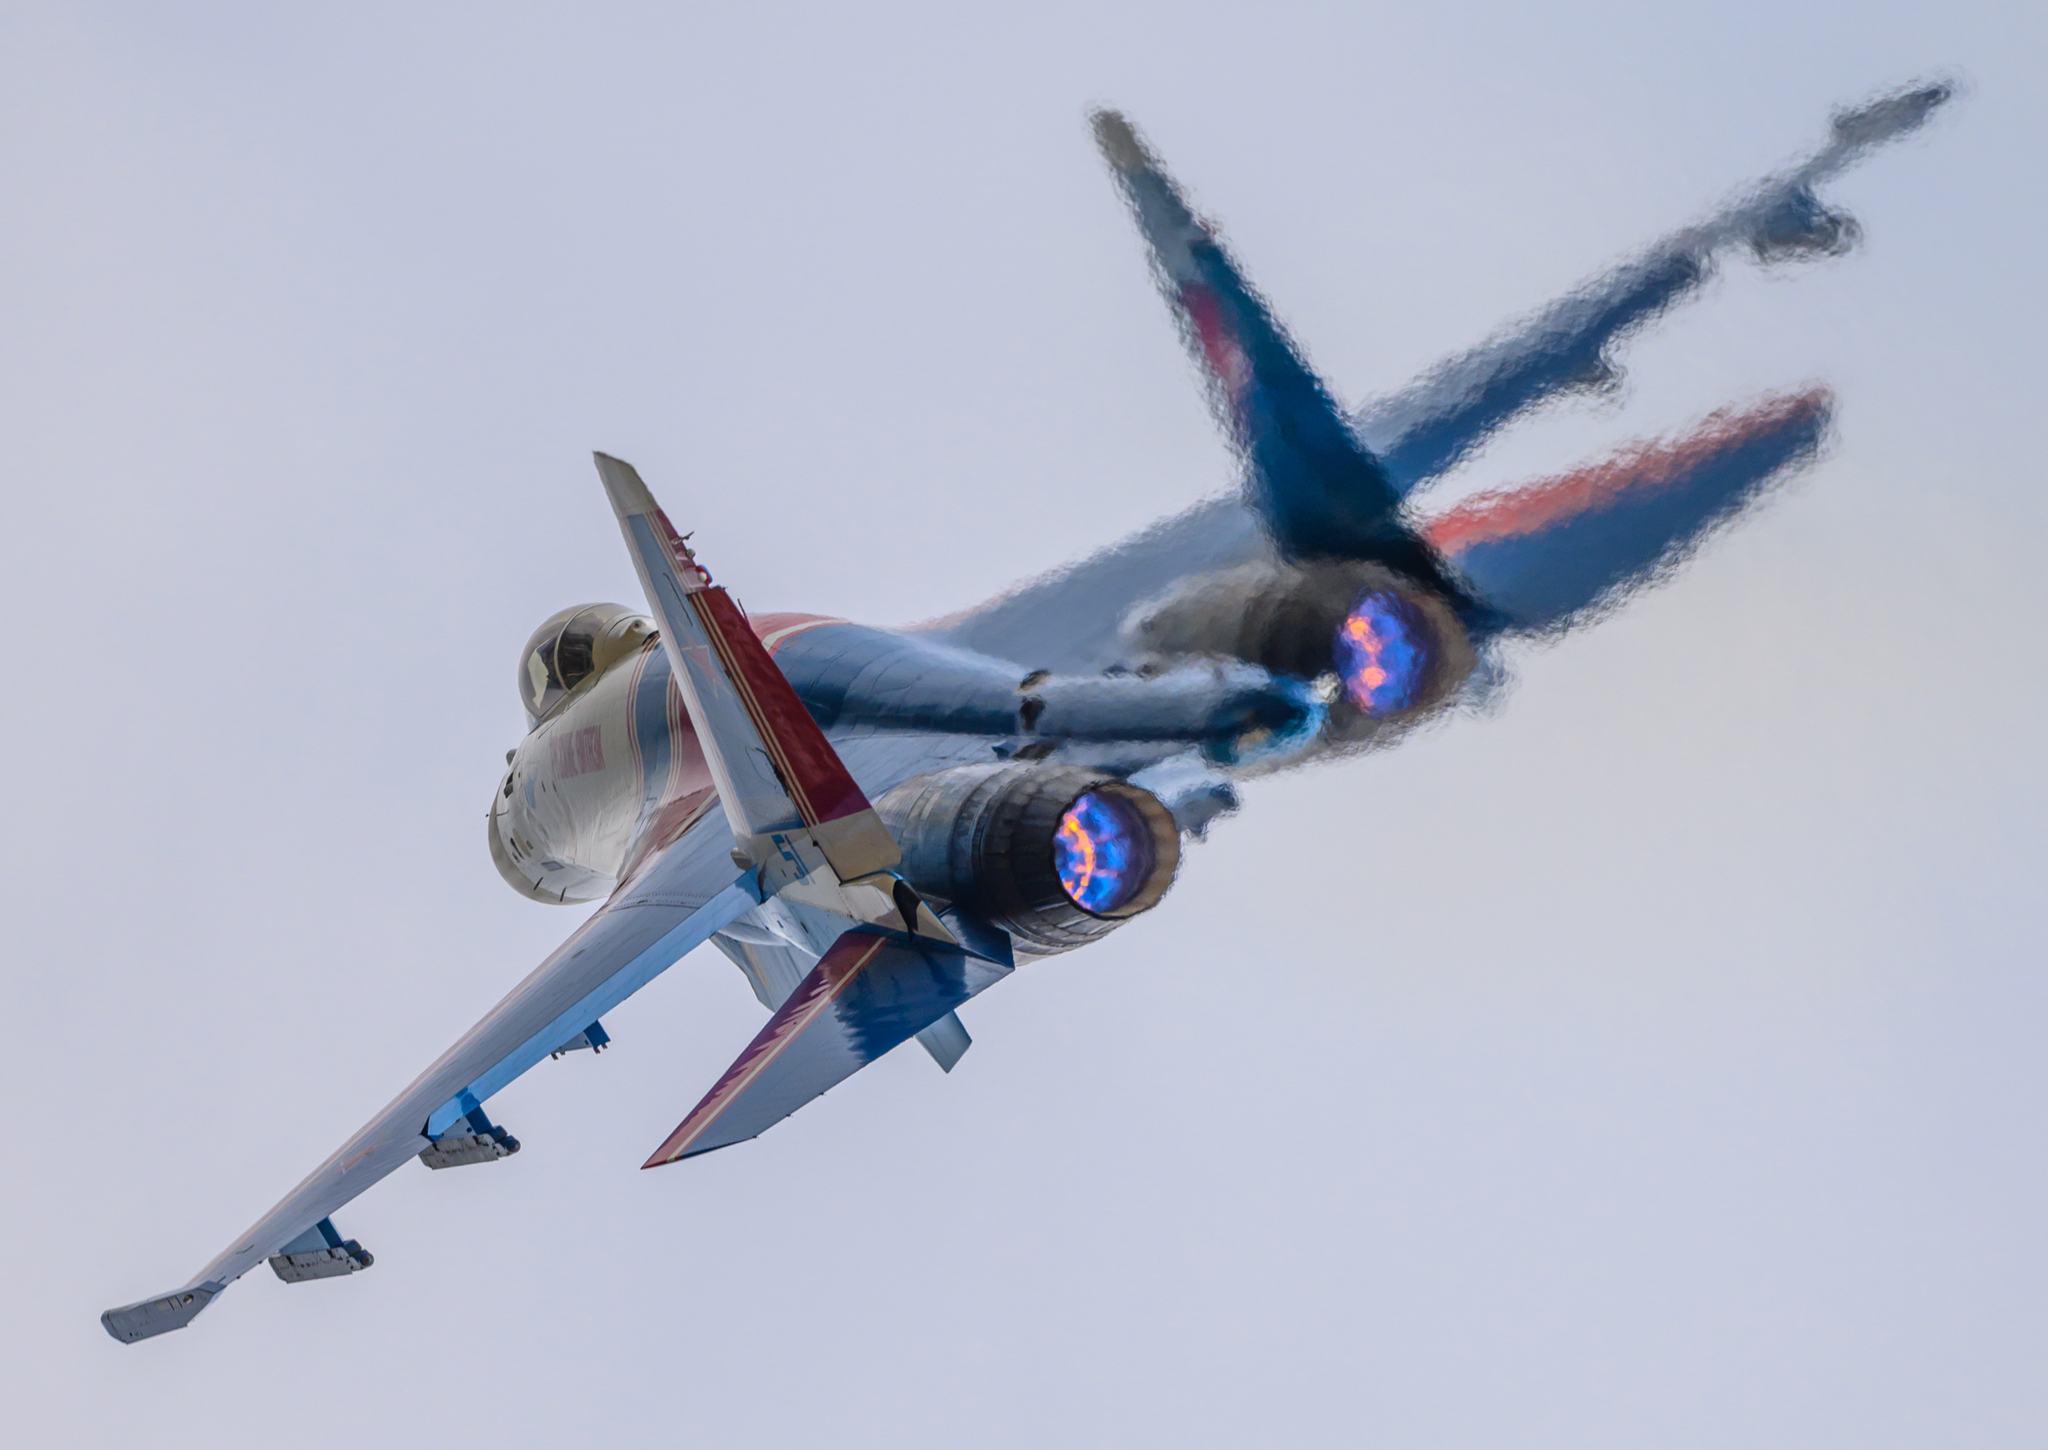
1393 649
1056 855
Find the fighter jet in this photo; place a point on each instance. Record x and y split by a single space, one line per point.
876 825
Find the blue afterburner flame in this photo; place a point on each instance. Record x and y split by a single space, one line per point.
1380 653
1103 853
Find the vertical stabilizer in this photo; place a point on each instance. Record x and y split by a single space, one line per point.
1318 491
775 771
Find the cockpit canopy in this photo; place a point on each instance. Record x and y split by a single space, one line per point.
571 647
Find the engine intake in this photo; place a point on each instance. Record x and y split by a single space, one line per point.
1058 856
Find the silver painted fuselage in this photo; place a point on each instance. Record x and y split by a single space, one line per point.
584 784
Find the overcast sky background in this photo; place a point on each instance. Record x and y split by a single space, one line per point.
1657 1063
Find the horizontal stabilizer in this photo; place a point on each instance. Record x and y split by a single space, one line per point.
869 992
1544 556
775 969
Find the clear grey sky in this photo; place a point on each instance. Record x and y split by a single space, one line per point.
1657 1063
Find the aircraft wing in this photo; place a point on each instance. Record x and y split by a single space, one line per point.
677 899
1439 420
1069 620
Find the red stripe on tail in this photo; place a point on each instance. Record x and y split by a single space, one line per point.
811 771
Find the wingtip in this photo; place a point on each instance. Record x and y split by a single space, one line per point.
133 1323
1894 114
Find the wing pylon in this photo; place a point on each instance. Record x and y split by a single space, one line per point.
683 894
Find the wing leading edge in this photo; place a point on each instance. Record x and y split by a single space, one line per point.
675 902
812 849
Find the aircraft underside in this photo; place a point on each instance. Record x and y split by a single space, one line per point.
876 825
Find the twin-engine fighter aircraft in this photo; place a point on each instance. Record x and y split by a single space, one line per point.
875 825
